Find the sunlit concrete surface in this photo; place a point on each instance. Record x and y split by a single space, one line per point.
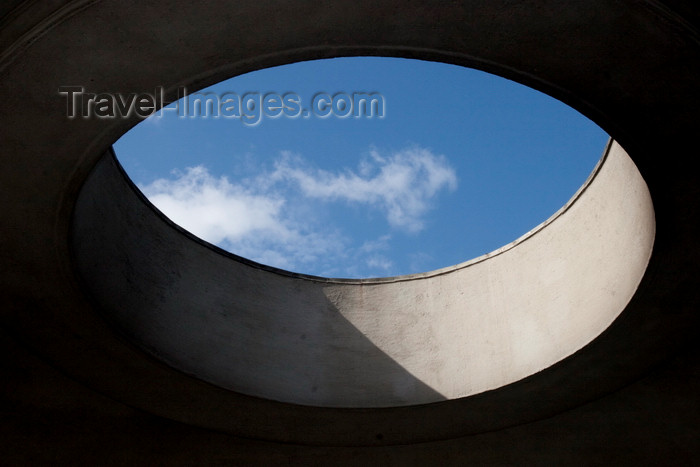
366 343
78 388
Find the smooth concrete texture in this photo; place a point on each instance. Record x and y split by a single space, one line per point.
406 340
76 390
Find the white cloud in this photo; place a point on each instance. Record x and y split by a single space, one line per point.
240 219
401 185
273 218
213 208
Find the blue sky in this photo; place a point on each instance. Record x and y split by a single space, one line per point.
461 163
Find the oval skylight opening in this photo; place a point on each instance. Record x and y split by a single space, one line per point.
289 167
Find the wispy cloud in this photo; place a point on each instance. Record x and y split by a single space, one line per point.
380 262
241 219
274 218
213 208
401 185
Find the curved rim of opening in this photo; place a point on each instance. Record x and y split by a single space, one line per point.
368 280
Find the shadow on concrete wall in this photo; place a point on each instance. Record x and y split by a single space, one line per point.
220 318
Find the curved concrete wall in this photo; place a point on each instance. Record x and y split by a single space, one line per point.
366 343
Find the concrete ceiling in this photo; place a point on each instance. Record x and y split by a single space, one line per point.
77 391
